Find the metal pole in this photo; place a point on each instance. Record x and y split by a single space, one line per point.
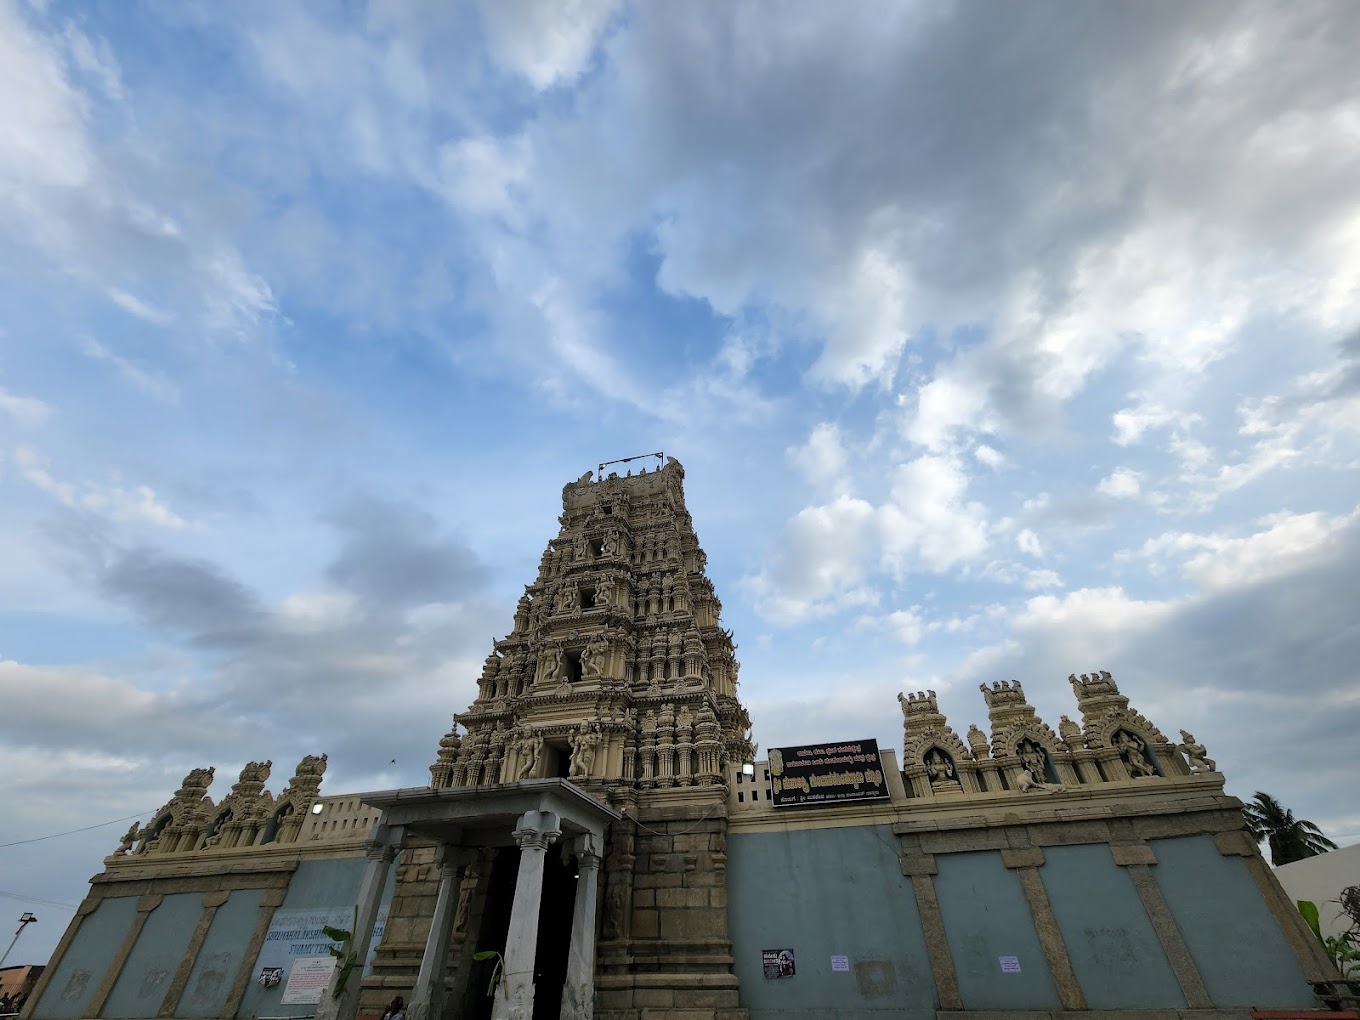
24 922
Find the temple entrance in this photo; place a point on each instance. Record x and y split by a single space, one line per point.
491 933
554 934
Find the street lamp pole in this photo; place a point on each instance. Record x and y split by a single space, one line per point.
24 922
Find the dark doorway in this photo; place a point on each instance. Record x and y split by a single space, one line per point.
554 934
495 924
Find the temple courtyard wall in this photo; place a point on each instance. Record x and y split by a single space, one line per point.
1123 901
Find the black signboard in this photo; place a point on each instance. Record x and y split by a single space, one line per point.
826 773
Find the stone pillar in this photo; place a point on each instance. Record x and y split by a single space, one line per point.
146 903
1026 862
381 849
578 992
427 998
169 1004
535 831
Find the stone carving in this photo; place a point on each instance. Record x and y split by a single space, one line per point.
941 773
129 838
977 742
1132 750
555 665
594 659
583 746
1070 732
610 545
1029 782
1195 754
614 902
566 599
530 747
1034 760
604 593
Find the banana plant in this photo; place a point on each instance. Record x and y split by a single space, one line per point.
342 951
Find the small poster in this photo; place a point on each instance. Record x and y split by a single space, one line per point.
778 963
1009 964
841 963
308 980
271 976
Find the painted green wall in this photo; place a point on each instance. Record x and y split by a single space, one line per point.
1115 952
1231 933
220 958
821 893
986 918
146 975
87 960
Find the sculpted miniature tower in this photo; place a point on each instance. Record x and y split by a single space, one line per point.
617 676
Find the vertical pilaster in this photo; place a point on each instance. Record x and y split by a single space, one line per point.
1026 862
535 831
211 901
1137 860
427 998
272 899
86 908
921 868
381 850
578 991
145 904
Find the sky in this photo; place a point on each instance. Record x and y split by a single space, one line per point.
998 341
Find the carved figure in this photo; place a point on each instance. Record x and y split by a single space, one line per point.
583 751
1132 749
604 593
1032 756
566 599
613 910
593 658
556 664
610 545
1195 754
939 768
902 700
977 742
1029 782
129 838
529 749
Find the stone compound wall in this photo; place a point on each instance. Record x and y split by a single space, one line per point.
1173 912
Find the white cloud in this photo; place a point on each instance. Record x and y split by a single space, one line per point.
30 412
1288 544
929 522
149 381
134 305
549 42
1122 483
823 458
1028 543
137 504
992 458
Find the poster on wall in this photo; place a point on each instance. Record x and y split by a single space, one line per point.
778 963
307 980
295 934
1009 964
825 773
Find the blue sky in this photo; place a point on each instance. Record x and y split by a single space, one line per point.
998 342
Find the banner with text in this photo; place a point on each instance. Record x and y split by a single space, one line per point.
825 773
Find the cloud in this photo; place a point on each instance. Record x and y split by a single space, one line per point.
149 381
137 504
549 43
823 458
1122 483
29 412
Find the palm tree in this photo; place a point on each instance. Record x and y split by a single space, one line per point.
1290 839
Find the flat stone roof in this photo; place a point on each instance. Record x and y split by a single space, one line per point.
486 815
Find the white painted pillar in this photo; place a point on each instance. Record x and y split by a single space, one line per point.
427 998
578 993
381 849
535 831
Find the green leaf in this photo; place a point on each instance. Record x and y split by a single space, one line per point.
489 954
1309 910
336 934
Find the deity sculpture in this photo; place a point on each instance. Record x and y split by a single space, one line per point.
1195 754
593 659
1032 756
1133 751
566 599
939 769
129 838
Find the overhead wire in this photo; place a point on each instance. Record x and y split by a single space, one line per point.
71 832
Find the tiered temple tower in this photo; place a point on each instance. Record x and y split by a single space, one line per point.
618 676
